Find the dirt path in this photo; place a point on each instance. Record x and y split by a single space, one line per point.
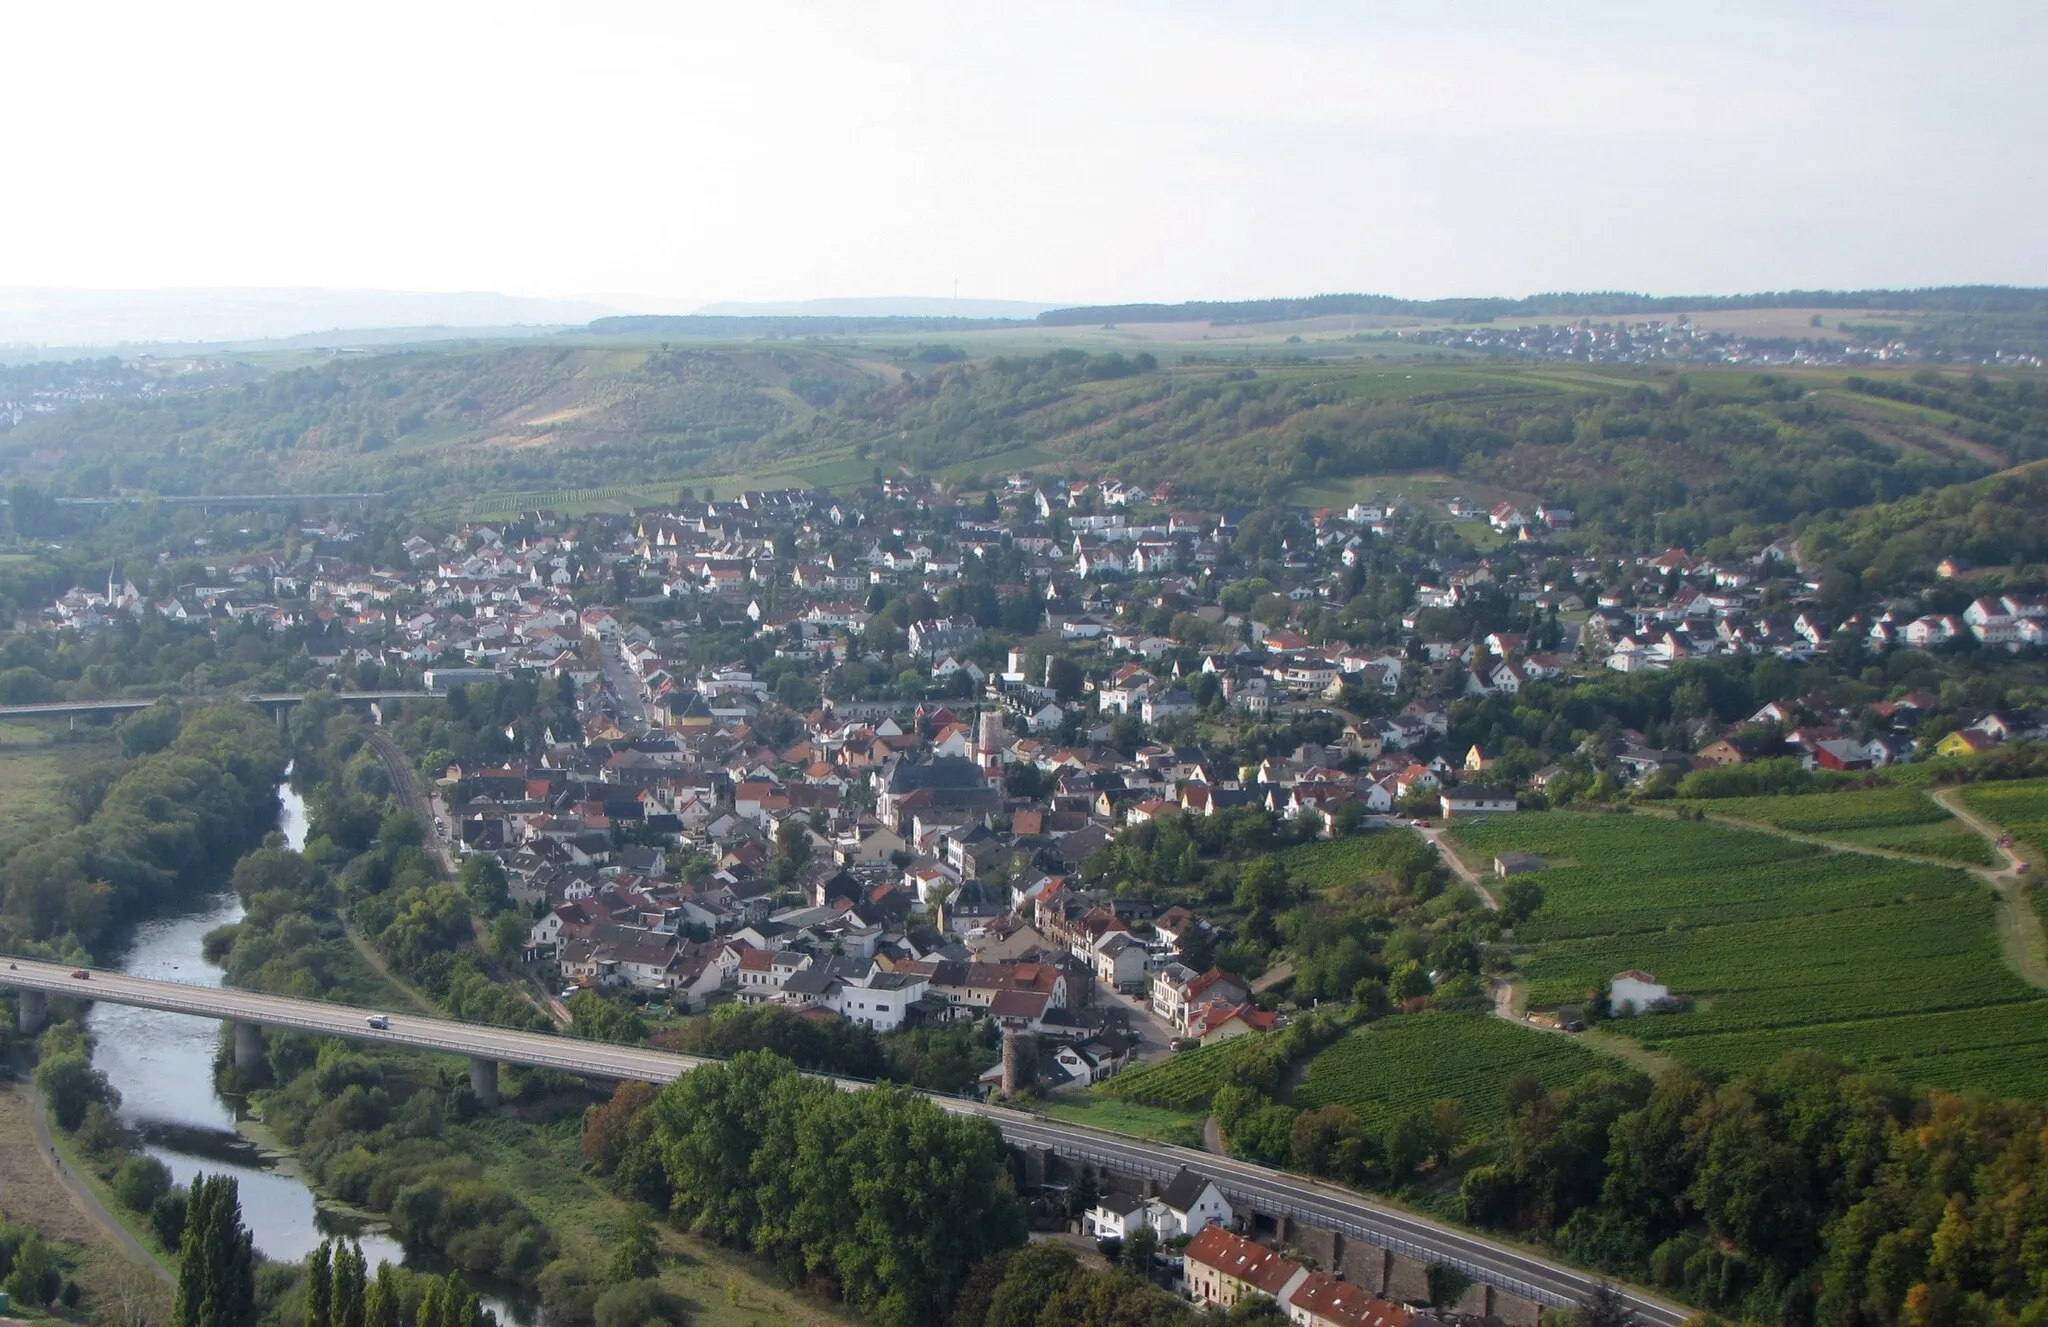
1508 997
1272 977
2019 924
1465 873
92 1217
405 783
382 967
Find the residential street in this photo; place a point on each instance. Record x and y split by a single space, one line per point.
1157 1034
628 690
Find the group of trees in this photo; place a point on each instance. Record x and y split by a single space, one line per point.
1804 1192
879 1197
338 1291
1045 1285
31 1272
942 1058
164 826
216 1259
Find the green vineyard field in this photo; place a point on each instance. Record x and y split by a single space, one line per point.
1182 1081
1899 819
1779 945
1403 1064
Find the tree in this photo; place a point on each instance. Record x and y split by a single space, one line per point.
1604 1306
1139 1246
1262 885
70 1084
216 1259
351 1286
141 1182
37 1276
167 1218
634 1255
1408 1143
641 1303
1446 1127
483 880
1084 1193
1520 900
381 1299
1447 1285
135 1296
320 1286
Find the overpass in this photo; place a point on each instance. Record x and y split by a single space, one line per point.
1490 1262
278 702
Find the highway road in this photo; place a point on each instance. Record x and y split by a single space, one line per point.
1504 1266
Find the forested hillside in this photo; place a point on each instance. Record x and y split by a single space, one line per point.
1642 455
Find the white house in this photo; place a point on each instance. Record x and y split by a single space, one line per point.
1120 962
1636 992
1184 1207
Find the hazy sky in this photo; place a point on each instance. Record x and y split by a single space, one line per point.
1089 151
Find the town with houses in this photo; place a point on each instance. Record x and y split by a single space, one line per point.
852 756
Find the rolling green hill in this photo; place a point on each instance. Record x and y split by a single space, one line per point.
1642 454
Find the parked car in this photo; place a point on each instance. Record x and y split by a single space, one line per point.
378 1021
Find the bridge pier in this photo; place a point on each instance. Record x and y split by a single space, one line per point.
483 1081
248 1048
30 1008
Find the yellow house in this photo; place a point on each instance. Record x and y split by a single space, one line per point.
1967 742
1223 1268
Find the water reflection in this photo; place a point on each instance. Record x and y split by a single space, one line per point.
162 1064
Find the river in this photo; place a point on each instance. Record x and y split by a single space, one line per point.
162 1064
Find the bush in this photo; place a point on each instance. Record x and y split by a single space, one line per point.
141 1183
638 1304
167 1218
70 1084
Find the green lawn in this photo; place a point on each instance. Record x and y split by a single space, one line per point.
36 755
1779 945
1128 1117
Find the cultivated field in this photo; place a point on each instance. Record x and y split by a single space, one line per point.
1779 944
1352 860
2022 808
1901 819
1400 1065
1182 1081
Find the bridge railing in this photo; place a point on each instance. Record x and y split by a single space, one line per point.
1140 1155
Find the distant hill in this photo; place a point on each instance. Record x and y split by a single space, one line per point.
79 318
884 306
713 327
1937 299
1642 456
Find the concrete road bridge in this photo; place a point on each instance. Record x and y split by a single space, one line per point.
1262 1190
278 702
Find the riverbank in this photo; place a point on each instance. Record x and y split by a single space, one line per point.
106 1259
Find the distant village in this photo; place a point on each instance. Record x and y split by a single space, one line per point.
1678 340
885 818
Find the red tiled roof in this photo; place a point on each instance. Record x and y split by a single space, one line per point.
1341 1302
1261 1268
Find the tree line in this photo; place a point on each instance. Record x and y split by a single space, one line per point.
201 790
